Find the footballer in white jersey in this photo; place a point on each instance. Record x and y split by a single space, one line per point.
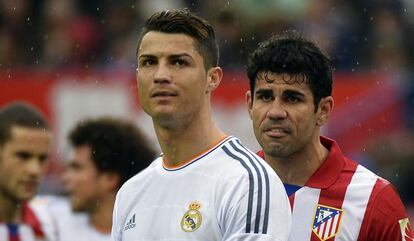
64 224
226 193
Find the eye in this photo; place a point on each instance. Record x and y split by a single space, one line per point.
23 156
266 97
147 62
43 158
179 62
292 99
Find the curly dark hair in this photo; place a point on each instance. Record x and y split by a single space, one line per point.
185 22
116 145
290 53
20 114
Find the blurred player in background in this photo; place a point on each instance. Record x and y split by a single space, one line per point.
25 140
206 185
106 153
332 197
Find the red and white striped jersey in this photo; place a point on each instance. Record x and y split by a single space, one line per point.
29 230
344 201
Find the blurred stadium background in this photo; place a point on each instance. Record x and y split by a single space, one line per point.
76 59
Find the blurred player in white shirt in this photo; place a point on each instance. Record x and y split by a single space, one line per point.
106 153
206 185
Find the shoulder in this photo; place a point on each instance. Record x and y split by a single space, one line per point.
130 190
48 210
139 177
246 172
386 213
386 200
240 158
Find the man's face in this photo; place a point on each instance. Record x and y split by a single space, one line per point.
23 163
81 180
283 114
171 77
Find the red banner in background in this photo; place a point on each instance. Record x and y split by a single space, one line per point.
365 105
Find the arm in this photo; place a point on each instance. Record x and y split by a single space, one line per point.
387 218
248 212
116 234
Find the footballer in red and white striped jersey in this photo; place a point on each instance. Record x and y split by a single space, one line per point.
29 230
344 201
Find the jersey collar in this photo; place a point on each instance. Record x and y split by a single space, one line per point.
331 168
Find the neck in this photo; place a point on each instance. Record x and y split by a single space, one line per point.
10 210
183 142
101 217
299 167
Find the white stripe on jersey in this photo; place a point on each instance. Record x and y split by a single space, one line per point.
4 232
355 203
26 233
334 225
304 206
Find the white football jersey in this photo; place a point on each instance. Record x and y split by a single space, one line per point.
66 224
226 193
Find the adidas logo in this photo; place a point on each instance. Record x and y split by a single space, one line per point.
131 223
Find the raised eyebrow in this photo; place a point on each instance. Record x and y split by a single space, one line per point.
294 93
263 91
146 56
177 56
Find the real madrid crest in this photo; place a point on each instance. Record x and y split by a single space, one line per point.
192 219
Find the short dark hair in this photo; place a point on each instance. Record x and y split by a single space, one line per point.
116 145
20 114
185 22
290 53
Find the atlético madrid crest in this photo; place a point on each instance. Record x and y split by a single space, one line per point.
192 219
326 222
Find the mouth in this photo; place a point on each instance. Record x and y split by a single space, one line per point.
163 94
277 132
30 185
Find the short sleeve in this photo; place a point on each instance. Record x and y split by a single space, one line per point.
387 219
254 207
116 234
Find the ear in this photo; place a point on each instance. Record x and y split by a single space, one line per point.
325 108
249 102
214 76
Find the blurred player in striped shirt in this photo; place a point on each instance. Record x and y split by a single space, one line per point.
332 197
25 140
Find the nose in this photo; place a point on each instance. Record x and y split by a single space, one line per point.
162 73
36 167
277 110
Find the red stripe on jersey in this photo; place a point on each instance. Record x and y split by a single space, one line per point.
385 210
30 219
14 238
334 195
292 201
